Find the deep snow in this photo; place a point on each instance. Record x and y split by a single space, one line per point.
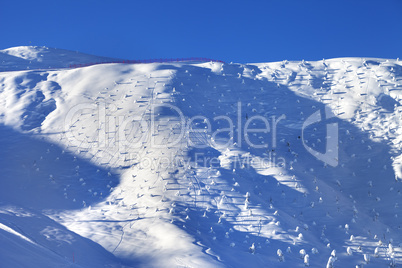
150 165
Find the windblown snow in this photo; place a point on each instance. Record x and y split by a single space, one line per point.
199 164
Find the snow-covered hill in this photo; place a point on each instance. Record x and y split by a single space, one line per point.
33 57
199 164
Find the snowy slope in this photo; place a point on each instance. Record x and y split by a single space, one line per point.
34 57
152 165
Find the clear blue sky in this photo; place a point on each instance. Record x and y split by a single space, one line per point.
238 31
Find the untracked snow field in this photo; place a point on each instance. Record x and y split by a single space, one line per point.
199 164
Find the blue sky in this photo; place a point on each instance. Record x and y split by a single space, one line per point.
238 31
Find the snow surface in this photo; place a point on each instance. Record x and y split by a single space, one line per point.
149 165
32 57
